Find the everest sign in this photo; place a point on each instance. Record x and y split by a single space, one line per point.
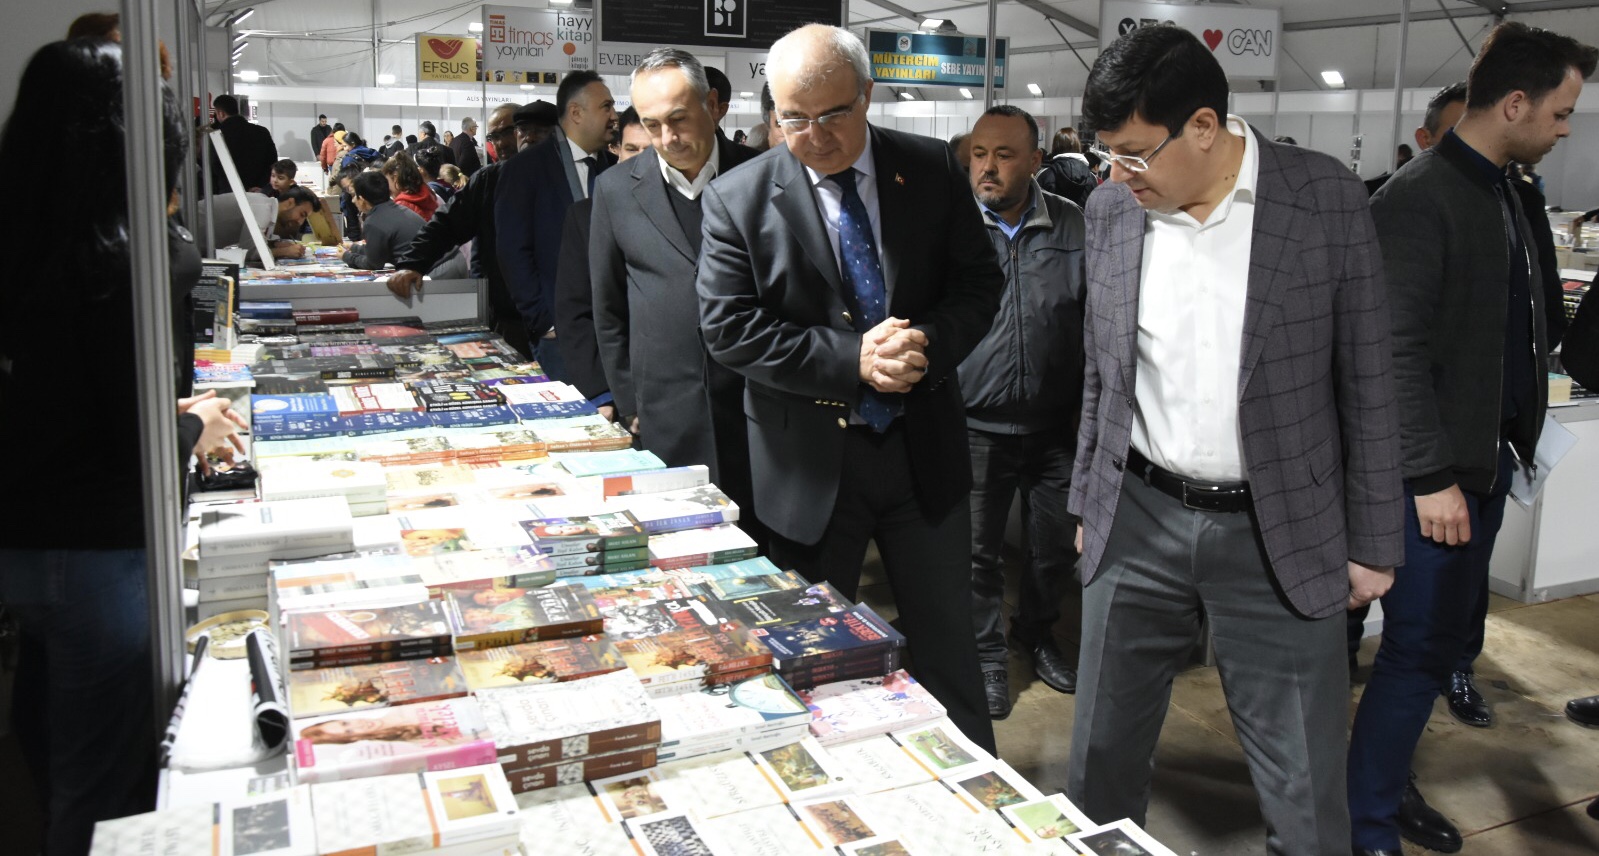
1245 41
520 39
443 57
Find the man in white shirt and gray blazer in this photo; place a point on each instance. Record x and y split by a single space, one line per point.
1238 459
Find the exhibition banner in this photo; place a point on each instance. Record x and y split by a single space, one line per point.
1246 41
518 39
926 59
445 57
747 71
728 24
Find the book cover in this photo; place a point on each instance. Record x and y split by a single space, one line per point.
801 770
586 534
569 814
733 588
475 417
1046 819
364 424
320 692
692 655
995 787
316 635
653 481
716 785
927 816
542 724
437 395
840 820
590 433
689 547
187 830
412 738
639 591
942 747
298 478
506 573
757 705
552 612
266 527
275 824
770 831
503 377
667 835
356 399
417 812
802 675
578 770
787 606
849 710
298 404
878 764
298 427
830 637
685 508
545 662
341 315
641 620
630 461
1121 837
758 566
281 309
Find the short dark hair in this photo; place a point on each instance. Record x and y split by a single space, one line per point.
625 118
572 84
321 115
349 172
428 127
396 130
1164 74
768 103
1066 142
227 104
429 161
1011 111
1516 57
285 167
1442 98
372 187
1285 140
338 126
301 196
410 139
353 140
719 82
1406 150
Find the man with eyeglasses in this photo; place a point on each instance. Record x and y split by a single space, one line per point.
846 278
470 217
1238 457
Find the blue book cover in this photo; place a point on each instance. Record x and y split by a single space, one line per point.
607 463
281 310
510 380
551 409
292 404
296 427
858 629
472 418
382 423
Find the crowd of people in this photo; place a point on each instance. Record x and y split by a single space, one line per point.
1228 382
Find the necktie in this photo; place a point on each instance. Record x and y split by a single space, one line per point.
862 272
594 172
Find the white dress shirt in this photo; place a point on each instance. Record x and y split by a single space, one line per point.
830 201
1192 291
582 168
691 189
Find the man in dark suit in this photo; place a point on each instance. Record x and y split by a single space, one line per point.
464 147
251 146
537 187
846 277
1239 449
643 255
319 132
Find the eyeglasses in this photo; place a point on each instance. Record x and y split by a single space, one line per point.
829 120
1130 162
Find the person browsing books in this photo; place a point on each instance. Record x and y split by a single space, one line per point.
387 229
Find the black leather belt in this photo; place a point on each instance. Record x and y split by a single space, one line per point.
1220 497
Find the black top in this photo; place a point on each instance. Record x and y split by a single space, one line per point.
688 215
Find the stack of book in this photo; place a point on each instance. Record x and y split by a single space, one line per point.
687 660
713 545
855 643
361 484
677 510
319 639
469 810
572 731
279 823
411 738
551 399
752 714
491 616
864 707
237 542
591 544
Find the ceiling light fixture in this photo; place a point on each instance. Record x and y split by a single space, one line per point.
746 95
965 93
238 18
1035 89
907 96
249 76
1332 78
386 80
475 27
239 47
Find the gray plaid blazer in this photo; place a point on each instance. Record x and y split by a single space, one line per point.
1315 391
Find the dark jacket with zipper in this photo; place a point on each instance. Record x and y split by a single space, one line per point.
1443 224
1026 375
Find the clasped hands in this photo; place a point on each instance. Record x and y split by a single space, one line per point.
893 356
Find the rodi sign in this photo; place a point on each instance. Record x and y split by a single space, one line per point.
1245 41
537 39
445 57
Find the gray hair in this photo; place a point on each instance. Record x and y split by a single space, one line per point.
664 58
468 123
839 48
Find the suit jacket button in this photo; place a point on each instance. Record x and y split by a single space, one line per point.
843 423
1132 403
1117 463
848 318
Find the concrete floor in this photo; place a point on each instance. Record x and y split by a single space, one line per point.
1519 787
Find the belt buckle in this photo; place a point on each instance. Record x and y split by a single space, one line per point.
1202 499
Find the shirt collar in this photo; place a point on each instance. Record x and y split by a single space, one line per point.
1490 172
863 164
1243 187
679 182
577 153
1032 205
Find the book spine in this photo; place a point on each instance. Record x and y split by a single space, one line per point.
358 373
659 525
840 670
226 588
527 779
370 657
597 743
337 537
331 652
503 638
327 316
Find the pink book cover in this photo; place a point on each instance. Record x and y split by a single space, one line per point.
412 738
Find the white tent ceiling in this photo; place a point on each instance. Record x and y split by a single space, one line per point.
313 42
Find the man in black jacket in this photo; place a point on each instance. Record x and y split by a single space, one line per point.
464 147
319 132
1469 362
251 146
470 218
1023 386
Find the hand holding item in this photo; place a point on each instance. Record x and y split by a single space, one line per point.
221 427
405 283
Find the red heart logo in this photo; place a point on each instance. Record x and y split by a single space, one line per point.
447 48
1213 38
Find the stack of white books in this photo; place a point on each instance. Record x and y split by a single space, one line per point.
362 484
274 824
462 812
572 731
752 714
237 542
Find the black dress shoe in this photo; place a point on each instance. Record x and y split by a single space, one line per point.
1584 711
1053 669
1465 703
1423 826
996 685
1361 851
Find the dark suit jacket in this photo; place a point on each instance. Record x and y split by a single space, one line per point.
646 312
253 152
465 150
536 187
319 132
574 305
772 308
1315 393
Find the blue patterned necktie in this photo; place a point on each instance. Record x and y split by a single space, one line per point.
862 271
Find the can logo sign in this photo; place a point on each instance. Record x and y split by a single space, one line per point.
497 29
725 18
445 48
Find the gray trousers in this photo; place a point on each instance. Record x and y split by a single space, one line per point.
1285 677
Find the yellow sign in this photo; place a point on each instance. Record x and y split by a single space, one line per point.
442 57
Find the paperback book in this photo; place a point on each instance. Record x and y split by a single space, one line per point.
543 724
544 662
586 534
686 658
321 692
552 612
468 809
412 738
787 606
710 546
578 770
676 510
415 630
850 710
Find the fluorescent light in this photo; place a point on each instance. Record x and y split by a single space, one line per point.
1332 78
1035 89
746 95
965 93
932 23
528 87
907 96
241 37
475 27
249 76
240 46
560 2
238 17
385 80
